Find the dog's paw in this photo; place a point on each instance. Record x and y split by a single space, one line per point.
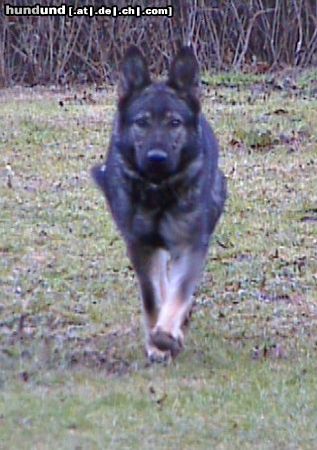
166 342
156 355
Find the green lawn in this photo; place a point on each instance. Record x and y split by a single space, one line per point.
73 374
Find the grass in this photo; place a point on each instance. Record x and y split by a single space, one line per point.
72 369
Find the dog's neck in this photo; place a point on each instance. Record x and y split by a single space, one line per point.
186 184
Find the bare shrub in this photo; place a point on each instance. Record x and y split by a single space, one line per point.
231 34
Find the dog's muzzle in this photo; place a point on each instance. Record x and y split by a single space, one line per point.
156 164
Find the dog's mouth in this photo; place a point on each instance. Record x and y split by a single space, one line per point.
153 175
156 171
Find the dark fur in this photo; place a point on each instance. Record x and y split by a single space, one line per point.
164 189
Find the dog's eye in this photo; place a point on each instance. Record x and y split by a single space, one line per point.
142 122
174 123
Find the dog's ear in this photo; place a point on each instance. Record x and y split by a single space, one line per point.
184 72
134 73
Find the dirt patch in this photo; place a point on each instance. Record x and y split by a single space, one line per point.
30 344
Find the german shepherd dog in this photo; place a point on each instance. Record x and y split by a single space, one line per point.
165 191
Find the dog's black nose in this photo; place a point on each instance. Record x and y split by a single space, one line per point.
157 156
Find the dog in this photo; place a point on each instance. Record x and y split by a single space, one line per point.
165 191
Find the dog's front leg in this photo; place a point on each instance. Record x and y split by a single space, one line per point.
150 265
184 272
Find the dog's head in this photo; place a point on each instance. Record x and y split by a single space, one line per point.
158 122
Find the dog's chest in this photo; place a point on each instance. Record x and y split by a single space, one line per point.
165 227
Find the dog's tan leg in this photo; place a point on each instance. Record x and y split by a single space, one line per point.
162 267
184 273
151 269
159 277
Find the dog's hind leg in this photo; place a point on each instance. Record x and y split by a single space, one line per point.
151 268
184 273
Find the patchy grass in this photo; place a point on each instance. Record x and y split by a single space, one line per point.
231 79
72 369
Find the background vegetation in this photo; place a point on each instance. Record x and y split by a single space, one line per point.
249 35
